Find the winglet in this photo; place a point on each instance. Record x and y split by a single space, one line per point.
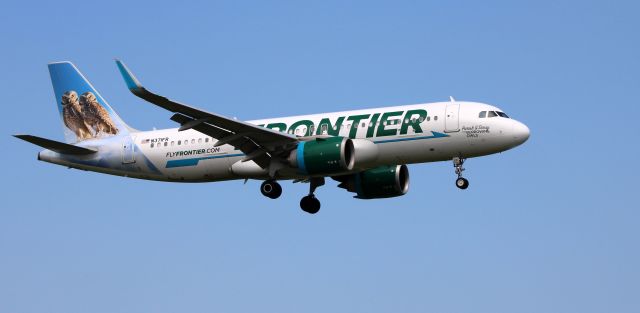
131 81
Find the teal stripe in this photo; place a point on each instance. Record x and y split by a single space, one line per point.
435 135
194 161
300 157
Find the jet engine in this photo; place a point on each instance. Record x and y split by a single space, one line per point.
379 182
323 156
333 155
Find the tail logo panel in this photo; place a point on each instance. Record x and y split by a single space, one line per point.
85 117
84 112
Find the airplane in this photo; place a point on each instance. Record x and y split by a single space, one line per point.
366 151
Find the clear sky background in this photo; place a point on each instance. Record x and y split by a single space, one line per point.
551 226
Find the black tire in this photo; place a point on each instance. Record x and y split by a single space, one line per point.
310 204
462 183
271 189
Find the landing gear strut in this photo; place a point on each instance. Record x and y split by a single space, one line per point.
461 182
310 203
271 189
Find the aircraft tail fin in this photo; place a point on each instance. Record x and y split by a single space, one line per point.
60 147
85 114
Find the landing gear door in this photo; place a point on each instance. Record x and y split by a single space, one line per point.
128 150
451 118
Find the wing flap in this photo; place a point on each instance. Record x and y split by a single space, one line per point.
241 141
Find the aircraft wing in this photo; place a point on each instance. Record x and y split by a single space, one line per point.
258 143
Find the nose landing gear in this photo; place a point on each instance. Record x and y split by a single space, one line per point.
310 203
461 182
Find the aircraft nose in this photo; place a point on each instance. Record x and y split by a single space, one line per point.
520 132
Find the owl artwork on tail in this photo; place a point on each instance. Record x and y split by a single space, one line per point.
73 117
95 115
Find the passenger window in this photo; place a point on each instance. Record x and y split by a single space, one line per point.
172 143
435 118
179 142
483 114
428 118
152 145
193 141
166 143
492 114
206 139
363 124
199 140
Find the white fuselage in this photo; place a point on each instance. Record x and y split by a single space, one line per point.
403 135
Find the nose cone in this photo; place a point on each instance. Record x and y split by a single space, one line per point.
520 133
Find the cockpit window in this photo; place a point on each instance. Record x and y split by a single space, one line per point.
502 114
492 114
483 114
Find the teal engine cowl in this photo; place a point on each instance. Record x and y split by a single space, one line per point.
380 182
323 156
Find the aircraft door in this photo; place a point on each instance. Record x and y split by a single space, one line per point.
452 118
128 150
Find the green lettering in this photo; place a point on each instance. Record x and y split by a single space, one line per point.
333 130
356 121
278 126
382 131
372 125
297 124
413 118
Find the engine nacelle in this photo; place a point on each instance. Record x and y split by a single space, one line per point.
365 153
323 156
379 182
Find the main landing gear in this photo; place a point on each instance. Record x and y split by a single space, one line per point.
310 203
461 182
271 189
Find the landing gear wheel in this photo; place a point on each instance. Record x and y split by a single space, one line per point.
462 183
310 204
271 189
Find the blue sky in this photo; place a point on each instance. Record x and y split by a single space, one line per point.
551 226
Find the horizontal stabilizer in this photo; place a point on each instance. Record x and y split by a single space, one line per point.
60 147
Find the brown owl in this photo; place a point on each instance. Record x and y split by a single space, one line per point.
96 115
72 116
